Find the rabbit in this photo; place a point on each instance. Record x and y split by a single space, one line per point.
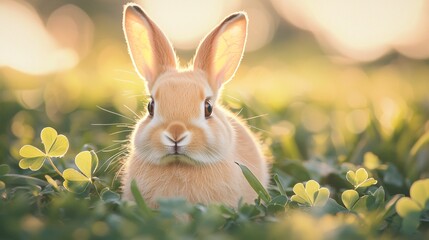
187 144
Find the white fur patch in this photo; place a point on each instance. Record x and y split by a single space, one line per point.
166 139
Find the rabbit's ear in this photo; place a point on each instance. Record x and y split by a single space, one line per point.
150 50
220 53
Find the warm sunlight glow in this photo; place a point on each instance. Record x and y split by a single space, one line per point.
363 30
26 45
186 22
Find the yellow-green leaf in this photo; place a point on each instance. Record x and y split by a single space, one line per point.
73 175
25 163
311 187
406 207
299 190
33 164
29 151
94 161
349 198
361 175
60 147
322 197
77 187
351 177
48 136
37 164
298 199
419 192
2 185
368 182
83 162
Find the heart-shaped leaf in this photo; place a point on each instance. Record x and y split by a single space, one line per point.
312 187
361 175
48 136
406 207
94 161
360 178
311 194
419 192
351 177
28 151
367 183
410 209
300 192
76 187
322 197
33 164
80 180
298 199
349 198
55 145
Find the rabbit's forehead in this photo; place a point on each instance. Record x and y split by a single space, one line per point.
180 96
191 84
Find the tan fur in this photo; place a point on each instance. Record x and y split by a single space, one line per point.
204 171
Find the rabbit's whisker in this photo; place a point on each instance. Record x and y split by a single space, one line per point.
115 113
119 132
123 125
127 81
111 158
259 129
135 114
250 118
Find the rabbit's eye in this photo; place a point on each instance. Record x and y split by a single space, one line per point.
151 107
208 108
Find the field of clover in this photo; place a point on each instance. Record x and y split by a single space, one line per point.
347 138
62 196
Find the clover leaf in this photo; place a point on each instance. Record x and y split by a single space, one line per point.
78 181
349 198
312 194
410 208
359 179
55 146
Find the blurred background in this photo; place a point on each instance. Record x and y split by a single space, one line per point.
320 80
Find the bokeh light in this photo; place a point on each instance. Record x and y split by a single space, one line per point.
363 30
191 20
26 45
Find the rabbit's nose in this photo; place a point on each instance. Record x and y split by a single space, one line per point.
176 133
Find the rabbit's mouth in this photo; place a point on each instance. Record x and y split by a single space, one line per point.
178 158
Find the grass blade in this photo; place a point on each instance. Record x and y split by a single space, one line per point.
139 199
254 182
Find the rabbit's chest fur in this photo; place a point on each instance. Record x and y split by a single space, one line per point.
220 182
